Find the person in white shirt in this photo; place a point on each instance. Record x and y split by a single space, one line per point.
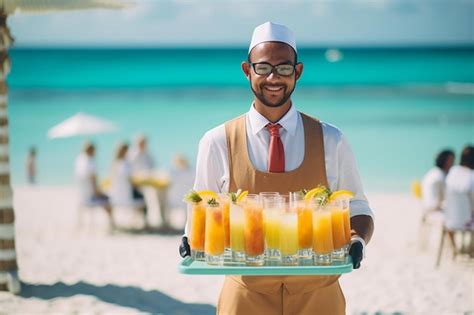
433 183
139 157
272 70
182 178
459 196
122 191
86 177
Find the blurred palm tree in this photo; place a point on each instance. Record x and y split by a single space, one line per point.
8 265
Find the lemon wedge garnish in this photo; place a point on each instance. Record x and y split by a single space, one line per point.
242 195
206 195
341 194
313 192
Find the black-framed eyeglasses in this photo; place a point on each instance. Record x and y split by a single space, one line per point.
264 68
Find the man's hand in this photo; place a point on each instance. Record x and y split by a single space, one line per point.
184 249
356 252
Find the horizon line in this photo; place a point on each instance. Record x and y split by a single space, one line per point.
242 47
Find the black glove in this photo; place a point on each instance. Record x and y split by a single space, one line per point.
356 253
184 249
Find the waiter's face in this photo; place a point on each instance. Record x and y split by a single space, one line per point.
272 89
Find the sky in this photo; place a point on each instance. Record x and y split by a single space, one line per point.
231 22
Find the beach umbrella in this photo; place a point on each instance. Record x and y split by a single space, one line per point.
8 264
81 125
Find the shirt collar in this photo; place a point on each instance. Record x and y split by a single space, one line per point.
258 121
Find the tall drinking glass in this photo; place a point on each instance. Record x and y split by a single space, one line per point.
338 232
269 194
237 232
322 235
254 239
305 229
289 236
214 241
273 208
197 213
224 200
346 214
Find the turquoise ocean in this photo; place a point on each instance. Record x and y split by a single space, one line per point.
398 107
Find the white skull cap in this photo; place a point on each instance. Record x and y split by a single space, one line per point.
272 32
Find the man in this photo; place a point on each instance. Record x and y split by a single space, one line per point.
273 147
86 176
433 183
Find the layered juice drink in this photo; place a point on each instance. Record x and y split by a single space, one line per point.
224 200
197 213
342 199
347 224
254 240
289 238
346 214
237 232
305 229
214 234
322 235
338 232
272 211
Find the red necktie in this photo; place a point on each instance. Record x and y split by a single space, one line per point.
276 152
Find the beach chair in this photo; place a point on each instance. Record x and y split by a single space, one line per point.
465 248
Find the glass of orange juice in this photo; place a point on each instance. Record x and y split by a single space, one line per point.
224 200
196 232
346 214
214 244
289 236
338 231
254 236
305 225
322 234
273 206
237 232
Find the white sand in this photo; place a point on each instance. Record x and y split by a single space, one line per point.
70 270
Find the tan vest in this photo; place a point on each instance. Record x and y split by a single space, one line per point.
245 176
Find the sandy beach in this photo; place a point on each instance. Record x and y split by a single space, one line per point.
69 269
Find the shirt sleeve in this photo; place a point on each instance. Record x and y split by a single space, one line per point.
209 167
349 179
210 164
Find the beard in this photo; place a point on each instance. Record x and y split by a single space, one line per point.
261 97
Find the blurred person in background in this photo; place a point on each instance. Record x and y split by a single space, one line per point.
30 166
459 197
140 159
182 178
122 191
86 177
433 183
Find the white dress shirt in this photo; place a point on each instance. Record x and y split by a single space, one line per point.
212 167
141 161
84 169
459 202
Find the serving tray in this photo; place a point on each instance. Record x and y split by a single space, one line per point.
191 267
